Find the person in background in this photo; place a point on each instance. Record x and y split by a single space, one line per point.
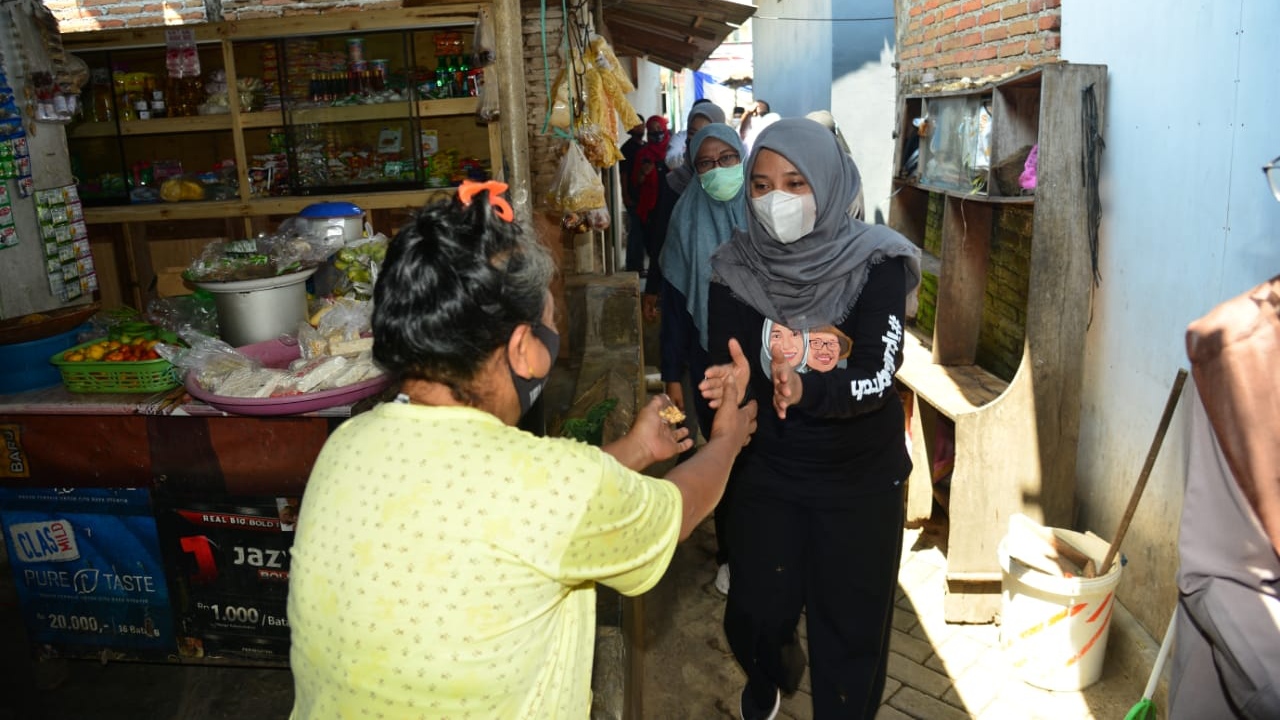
815 517
635 229
446 561
674 182
736 121
1227 655
678 151
824 117
648 178
754 121
707 214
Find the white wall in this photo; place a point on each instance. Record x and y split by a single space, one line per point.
792 58
845 66
863 94
1193 112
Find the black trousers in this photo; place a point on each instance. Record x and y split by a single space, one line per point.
839 565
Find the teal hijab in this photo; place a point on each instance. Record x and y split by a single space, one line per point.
699 225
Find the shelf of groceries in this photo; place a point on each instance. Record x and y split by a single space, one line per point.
240 117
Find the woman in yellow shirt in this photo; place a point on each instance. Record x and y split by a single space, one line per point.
445 561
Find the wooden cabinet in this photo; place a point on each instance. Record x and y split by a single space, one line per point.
317 108
1015 440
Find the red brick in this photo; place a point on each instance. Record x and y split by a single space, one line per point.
1052 42
989 17
984 52
966 22
950 11
999 32
248 14
914 10
1013 48
950 42
1049 22
1052 3
930 19
1035 6
971 39
932 4
971 6
1013 10
1022 27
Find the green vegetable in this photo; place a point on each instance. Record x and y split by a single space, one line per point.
590 429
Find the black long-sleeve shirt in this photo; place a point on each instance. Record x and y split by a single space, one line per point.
846 435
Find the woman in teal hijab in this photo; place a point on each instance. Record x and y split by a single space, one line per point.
706 216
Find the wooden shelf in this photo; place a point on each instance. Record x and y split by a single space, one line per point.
975 197
952 390
202 142
150 212
349 113
262 119
92 130
165 126
1015 442
446 106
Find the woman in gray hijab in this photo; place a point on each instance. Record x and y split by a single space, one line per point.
815 522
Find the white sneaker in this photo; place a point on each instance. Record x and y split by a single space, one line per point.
722 579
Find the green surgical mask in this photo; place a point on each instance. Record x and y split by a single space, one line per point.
722 183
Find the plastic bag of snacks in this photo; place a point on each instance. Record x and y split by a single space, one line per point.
576 186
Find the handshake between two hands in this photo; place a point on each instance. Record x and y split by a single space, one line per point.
658 424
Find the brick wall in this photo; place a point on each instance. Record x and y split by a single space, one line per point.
941 40
1004 307
86 15
253 9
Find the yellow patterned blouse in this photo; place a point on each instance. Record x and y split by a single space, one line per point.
445 566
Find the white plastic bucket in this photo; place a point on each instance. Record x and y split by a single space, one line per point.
1054 629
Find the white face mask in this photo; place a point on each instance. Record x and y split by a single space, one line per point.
786 217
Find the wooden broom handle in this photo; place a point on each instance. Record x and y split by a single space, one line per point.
1169 406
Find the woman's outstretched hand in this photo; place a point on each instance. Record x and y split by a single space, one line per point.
716 381
787 387
658 439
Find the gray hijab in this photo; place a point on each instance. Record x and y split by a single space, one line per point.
817 279
679 177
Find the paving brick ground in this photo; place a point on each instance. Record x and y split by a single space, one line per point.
937 670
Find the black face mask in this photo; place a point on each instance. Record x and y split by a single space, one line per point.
529 389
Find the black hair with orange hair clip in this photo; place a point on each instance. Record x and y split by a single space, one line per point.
495 188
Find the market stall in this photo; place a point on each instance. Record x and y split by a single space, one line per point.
140 528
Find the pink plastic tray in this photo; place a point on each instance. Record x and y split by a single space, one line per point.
276 354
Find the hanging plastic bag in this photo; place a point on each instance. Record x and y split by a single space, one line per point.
576 186
485 45
487 108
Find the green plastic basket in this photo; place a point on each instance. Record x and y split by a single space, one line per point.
144 376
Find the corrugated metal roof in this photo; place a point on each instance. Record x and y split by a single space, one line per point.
676 34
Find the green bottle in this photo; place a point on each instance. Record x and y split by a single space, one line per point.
452 76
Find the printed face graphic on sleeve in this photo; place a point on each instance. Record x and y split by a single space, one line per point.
793 344
828 349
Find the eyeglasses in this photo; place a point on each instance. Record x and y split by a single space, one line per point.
1272 171
726 160
829 345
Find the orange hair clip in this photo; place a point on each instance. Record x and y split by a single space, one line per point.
501 207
